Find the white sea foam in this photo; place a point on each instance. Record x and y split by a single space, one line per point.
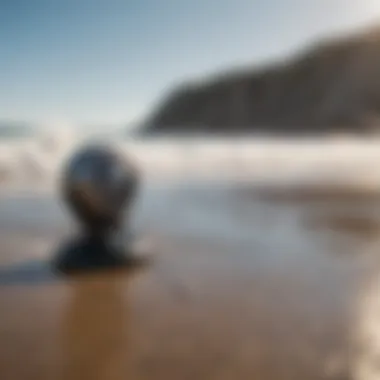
36 162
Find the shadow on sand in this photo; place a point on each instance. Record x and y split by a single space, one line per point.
32 272
41 272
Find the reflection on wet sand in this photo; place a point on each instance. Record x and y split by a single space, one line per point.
239 289
364 226
365 334
93 340
316 191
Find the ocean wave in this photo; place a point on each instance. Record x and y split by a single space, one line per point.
36 161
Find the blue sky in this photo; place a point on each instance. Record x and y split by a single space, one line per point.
109 61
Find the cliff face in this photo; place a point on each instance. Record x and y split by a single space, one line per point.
332 87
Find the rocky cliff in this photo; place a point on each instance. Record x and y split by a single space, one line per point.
333 86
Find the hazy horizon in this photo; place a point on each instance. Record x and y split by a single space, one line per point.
97 63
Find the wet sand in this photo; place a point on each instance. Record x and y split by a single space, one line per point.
236 287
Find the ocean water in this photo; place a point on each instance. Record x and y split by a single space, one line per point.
35 161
